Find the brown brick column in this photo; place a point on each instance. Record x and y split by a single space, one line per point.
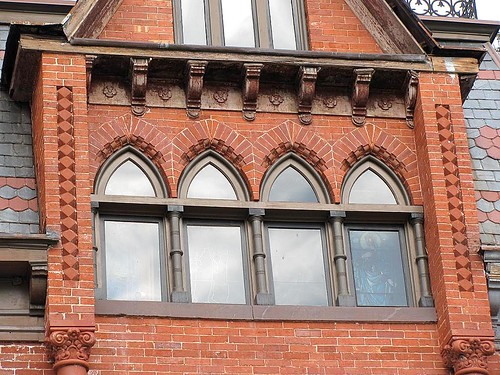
60 138
451 227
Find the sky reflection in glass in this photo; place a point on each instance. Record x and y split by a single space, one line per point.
193 22
210 183
378 268
132 261
291 186
238 23
216 264
283 28
371 189
297 266
129 179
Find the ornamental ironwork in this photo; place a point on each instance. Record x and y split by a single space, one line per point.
444 8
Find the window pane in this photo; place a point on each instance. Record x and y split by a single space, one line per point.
132 260
282 25
193 22
237 18
370 188
291 186
298 268
378 268
129 179
210 183
216 264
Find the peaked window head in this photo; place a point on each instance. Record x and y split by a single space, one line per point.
210 183
129 174
292 180
211 177
291 186
369 183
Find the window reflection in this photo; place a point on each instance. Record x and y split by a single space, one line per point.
193 22
282 25
216 264
210 183
378 268
132 260
371 189
237 18
129 179
291 186
297 266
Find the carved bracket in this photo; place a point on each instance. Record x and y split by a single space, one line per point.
411 86
468 355
250 90
89 63
38 287
195 72
306 90
70 346
360 94
139 80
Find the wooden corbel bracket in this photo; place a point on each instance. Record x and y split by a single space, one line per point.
89 63
306 90
139 81
360 94
411 88
195 71
250 89
37 287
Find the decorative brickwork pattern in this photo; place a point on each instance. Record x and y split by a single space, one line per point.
454 195
67 182
371 140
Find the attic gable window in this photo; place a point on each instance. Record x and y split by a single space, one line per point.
276 24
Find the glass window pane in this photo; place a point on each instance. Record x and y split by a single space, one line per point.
237 18
370 188
291 186
210 183
132 260
282 25
216 264
129 179
193 22
378 268
298 266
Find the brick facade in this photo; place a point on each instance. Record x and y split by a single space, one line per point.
73 138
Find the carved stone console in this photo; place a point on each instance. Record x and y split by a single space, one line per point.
360 94
468 355
251 89
195 70
411 86
306 91
139 80
69 348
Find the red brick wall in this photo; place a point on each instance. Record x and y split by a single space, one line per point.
331 24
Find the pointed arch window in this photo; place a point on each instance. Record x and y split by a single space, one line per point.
382 248
131 261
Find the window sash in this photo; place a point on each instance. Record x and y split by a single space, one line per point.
262 23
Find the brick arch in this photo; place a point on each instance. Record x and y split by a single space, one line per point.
213 135
124 131
292 137
371 140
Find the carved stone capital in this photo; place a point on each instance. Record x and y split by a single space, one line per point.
70 346
195 71
411 86
306 90
139 80
360 94
250 90
468 355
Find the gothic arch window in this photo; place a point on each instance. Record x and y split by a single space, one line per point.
131 261
380 238
278 24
